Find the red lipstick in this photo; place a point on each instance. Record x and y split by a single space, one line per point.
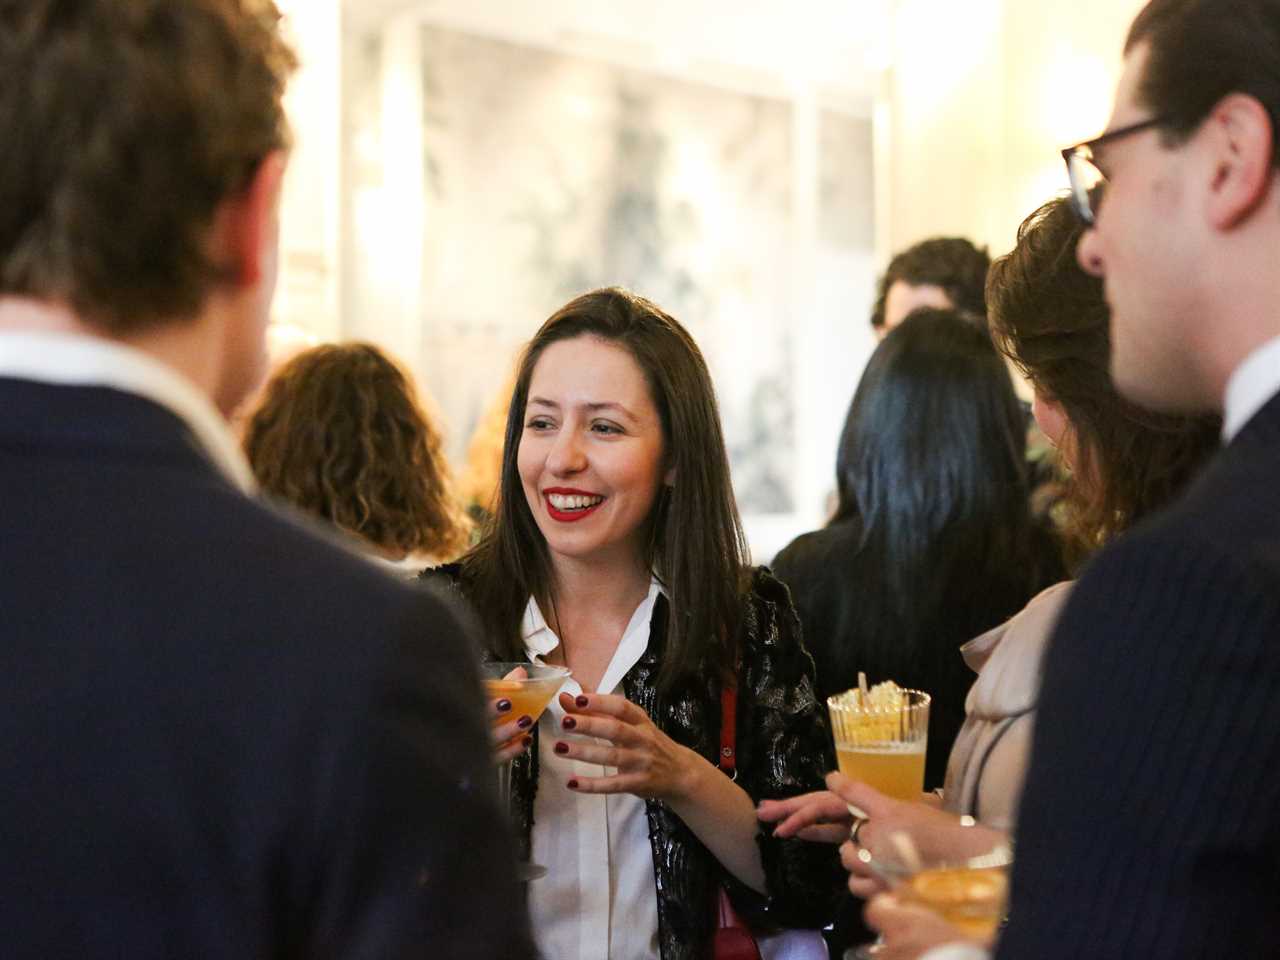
568 516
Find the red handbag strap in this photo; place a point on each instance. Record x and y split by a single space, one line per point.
728 760
732 939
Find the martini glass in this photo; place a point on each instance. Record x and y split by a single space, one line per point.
529 696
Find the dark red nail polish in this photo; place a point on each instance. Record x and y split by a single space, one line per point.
503 705
562 748
527 742
573 784
568 723
581 701
525 722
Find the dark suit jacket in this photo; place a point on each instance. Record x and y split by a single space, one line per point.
1150 824
220 735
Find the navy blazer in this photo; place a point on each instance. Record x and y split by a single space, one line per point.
1150 823
220 734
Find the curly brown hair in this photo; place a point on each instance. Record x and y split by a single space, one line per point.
1051 319
340 434
125 124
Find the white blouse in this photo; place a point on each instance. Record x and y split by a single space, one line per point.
598 900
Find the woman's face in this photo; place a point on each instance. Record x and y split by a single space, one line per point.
591 453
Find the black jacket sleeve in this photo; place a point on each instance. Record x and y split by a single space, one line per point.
784 748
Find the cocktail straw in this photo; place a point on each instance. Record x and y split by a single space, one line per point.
862 689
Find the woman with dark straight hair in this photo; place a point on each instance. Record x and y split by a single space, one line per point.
616 550
932 541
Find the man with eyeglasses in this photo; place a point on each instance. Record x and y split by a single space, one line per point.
1150 822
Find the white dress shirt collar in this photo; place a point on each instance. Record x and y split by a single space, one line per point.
72 360
1252 384
540 639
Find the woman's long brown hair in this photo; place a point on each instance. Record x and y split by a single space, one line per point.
340 434
696 546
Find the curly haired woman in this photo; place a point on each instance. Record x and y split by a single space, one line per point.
341 435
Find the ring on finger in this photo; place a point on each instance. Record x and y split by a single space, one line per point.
858 824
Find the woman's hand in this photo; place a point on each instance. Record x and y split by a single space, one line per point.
649 764
937 835
908 930
653 766
822 817
510 735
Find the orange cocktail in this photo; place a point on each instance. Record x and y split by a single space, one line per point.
970 898
529 697
894 772
529 687
881 736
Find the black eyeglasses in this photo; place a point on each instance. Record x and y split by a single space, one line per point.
1088 182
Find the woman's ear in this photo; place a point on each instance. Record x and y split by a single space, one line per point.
669 478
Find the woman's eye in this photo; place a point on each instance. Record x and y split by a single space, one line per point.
538 423
606 428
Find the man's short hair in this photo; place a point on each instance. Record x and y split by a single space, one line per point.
952 263
123 125
1202 50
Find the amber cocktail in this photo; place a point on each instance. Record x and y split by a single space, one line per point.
971 898
881 738
529 687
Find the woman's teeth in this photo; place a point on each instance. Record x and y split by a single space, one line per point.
562 502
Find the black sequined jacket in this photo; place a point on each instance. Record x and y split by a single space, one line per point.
784 748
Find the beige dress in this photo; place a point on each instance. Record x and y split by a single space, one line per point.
989 759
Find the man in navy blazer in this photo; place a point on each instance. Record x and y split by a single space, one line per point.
220 734
1150 823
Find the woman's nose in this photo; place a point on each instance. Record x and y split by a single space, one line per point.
567 456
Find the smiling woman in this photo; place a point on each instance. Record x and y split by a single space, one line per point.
616 551
592 450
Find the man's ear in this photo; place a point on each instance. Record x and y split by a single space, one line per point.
1239 134
248 222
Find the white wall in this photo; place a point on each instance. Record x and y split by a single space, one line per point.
308 294
982 95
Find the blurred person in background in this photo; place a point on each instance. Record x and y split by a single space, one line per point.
1051 319
932 541
942 273
617 551
950 273
284 342
340 433
222 737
